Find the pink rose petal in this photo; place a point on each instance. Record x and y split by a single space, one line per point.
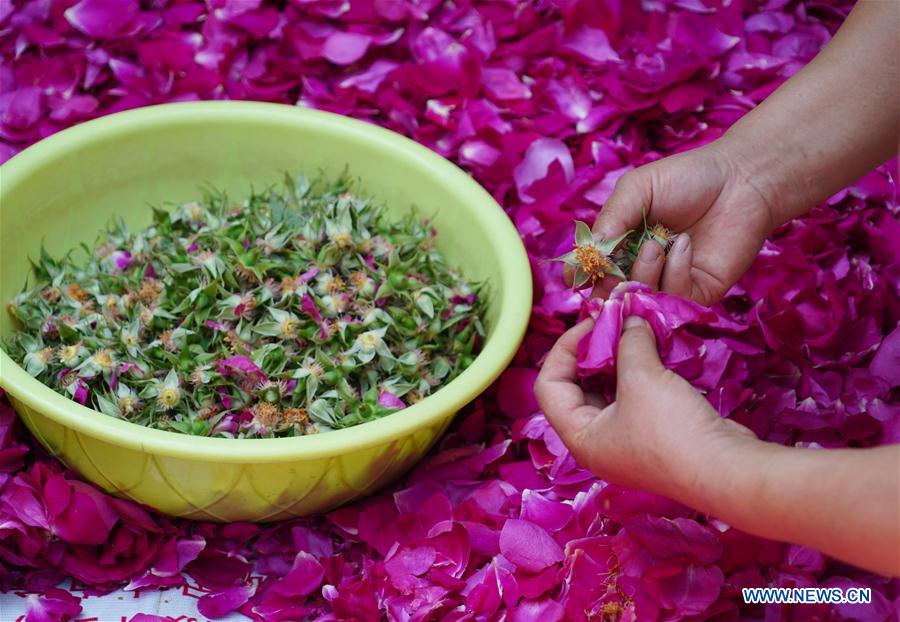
528 546
102 18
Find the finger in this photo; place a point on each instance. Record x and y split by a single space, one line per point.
626 206
676 278
638 355
556 388
561 363
649 264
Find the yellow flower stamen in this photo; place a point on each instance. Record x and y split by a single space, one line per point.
289 285
76 292
369 340
169 397
69 354
266 414
359 279
150 290
315 370
335 285
342 240
296 416
103 359
127 404
50 294
660 231
165 338
289 327
592 261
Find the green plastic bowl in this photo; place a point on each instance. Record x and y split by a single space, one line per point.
65 189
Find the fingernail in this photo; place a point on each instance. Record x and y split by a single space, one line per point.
682 243
633 321
650 251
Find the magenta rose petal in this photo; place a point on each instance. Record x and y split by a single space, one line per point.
537 163
386 399
219 604
79 513
345 48
528 546
54 605
305 576
102 18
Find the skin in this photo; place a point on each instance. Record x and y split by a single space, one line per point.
824 128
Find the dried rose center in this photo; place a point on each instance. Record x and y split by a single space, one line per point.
76 292
127 404
342 240
165 338
103 359
266 414
369 340
335 285
297 416
289 285
592 261
194 211
359 279
660 231
46 355
289 327
68 354
169 397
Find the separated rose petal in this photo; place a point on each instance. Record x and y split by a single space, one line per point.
54 605
539 159
220 604
79 513
386 399
102 18
537 611
528 545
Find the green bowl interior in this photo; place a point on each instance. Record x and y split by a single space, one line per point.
66 189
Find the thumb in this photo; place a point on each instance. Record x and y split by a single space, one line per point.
637 350
626 206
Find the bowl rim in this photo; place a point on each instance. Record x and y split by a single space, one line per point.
515 291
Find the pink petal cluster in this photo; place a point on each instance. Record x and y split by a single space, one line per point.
546 104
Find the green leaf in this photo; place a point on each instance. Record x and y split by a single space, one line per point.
568 258
608 246
617 271
580 278
426 305
583 235
107 407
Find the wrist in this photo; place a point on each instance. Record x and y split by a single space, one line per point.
724 465
768 169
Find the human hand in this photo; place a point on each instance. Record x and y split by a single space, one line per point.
663 437
659 435
721 210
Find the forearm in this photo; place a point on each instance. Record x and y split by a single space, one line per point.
833 121
844 502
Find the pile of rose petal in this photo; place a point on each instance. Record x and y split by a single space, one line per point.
546 104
